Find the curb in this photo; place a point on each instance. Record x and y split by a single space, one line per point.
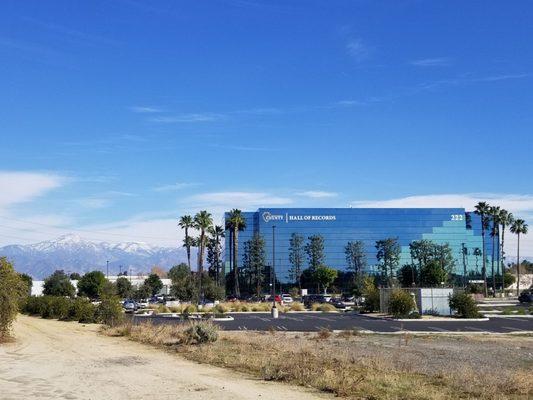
441 320
510 316
426 333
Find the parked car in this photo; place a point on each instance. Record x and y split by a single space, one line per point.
338 303
277 298
143 303
314 298
130 306
286 298
526 296
255 299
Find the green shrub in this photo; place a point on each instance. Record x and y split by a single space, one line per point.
109 311
59 307
201 332
220 308
175 309
45 307
371 295
32 306
464 305
82 310
189 309
12 290
401 304
162 309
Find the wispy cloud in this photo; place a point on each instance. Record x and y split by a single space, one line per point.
187 118
101 200
349 103
466 80
73 35
21 187
245 200
145 109
175 186
511 202
357 49
432 62
243 148
317 194
36 52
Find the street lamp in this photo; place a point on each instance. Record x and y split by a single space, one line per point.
107 269
274 311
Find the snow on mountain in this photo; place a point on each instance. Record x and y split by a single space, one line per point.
75 254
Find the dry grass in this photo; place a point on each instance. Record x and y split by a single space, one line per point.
164 334
365 366
324 307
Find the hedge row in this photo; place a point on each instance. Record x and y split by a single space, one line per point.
78 309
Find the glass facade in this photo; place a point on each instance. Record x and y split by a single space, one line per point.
338 226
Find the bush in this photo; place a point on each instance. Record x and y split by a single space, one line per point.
401 304
371 295
176 309
64 308
161 309
324 307
295 306
189 309
45 306
109 311
82 310
464 305
201 332
59 307
12 290
221 308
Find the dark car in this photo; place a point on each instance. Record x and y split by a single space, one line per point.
526 296
130 306
310 299
338 303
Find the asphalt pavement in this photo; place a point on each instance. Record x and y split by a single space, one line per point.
310 322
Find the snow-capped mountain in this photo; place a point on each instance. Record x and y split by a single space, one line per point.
75 254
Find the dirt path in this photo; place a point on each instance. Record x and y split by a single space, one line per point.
63 360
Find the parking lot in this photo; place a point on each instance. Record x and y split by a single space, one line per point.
309 322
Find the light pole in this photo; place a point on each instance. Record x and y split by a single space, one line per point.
274 311
107 269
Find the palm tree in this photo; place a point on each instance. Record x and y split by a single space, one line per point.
217 232
518 227
483 209
506 219
494 233
185 223
202 222
236 223
477 254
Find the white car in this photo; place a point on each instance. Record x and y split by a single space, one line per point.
286 299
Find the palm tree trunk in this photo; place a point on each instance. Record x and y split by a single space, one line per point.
518 267
492 268
484 261
188 247
502 259
235 266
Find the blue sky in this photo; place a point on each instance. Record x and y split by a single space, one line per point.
118 116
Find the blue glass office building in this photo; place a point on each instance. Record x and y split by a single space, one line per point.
338 226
